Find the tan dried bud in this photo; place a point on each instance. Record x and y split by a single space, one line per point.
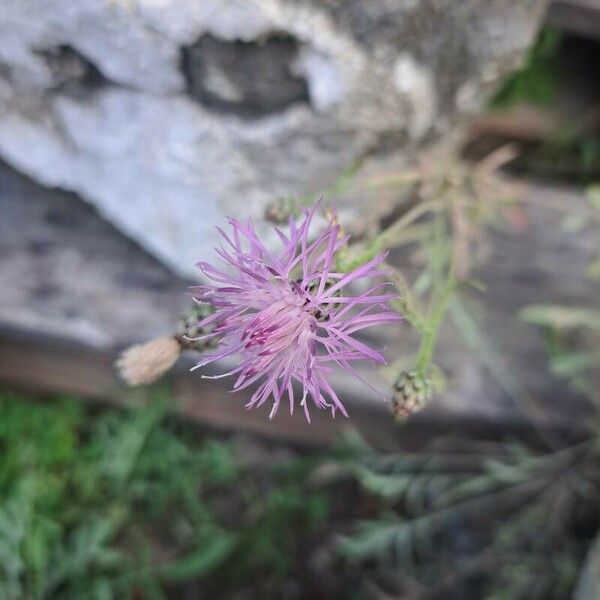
145 363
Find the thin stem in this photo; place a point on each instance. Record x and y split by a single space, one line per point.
392 236
444 285
387 238
432 326
387 179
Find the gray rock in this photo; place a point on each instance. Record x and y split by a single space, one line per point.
169 114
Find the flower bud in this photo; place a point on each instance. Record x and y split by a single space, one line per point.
279 211
190 333
145 363
413 389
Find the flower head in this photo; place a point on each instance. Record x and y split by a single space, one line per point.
287 315
145 363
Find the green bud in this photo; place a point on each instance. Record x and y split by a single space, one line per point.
189 328
413 389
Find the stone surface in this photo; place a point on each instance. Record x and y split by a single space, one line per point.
66 273
169 114
579 16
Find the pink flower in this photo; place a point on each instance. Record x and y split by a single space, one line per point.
286 314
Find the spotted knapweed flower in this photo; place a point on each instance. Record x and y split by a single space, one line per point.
286 315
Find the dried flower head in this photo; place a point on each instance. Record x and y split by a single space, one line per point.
145 363
142 364
286 315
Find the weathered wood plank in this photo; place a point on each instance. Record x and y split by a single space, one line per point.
73 291
49 366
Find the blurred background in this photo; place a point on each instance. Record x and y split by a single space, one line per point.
464 137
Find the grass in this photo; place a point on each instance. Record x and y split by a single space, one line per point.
110 504
127 504
538 80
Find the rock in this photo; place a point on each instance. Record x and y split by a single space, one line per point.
67 274
168 115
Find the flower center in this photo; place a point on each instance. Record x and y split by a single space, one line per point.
323 310
281 325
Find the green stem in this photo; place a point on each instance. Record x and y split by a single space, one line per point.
392 237
432 327
444 285
388 237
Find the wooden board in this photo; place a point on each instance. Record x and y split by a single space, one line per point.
73 291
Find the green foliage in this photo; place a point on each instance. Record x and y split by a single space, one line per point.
503 517
567 359
272 534
538 79
105 506
561 317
